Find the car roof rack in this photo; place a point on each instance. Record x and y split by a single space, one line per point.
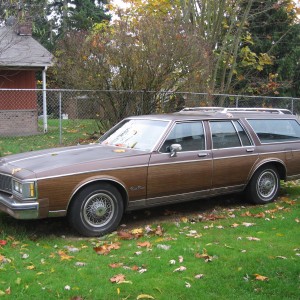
204 109
238 109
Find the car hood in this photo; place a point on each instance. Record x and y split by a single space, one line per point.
69 159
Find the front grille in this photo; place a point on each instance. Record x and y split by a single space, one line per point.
5 183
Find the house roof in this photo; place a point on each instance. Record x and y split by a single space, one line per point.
22 51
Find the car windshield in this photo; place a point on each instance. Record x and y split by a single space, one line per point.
136 133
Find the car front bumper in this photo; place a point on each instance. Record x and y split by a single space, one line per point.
18 209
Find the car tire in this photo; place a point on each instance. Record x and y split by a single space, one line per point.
264 185
96 209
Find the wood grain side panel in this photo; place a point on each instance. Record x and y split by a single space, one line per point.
178 178
232 171
59 190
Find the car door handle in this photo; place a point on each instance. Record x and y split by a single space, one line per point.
204 154
250 150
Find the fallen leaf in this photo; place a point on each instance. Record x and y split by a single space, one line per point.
31 267
159 231
124 235
137 232
204 255
248 224
260 215
144 244
213 217
106 248
141 271
80 264
184 220
247 214
64 256
134 268
3 242
187 285
199 276
117 278
116 265
220 227
234 225
8 291
144 296
261 277
250 238
164 247
180 259
180 269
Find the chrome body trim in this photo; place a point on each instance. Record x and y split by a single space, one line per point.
17 209
165 200
99 180
293 177
57 213
91 171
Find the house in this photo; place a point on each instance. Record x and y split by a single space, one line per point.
21 57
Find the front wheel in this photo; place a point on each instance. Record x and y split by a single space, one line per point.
96 210
264 185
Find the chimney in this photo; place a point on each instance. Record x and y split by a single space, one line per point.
24 24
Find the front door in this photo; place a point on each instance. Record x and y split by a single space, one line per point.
187 174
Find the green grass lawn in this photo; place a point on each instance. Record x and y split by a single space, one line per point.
210 249
73 132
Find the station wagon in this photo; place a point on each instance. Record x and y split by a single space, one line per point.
154 160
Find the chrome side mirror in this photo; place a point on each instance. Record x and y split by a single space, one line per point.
174 148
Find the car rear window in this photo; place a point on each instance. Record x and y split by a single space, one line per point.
276 131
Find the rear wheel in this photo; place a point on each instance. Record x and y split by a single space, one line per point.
264 185
96 210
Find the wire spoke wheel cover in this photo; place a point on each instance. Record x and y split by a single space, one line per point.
96 209
99 209
264 185
267 184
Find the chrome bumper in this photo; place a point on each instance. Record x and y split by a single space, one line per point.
17 209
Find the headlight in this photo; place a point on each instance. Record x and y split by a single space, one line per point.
25 190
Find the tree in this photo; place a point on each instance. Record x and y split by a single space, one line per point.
52 19
275 31
150 54
231 29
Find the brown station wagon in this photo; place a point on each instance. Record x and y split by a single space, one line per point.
153 160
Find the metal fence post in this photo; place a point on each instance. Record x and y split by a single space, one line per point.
292 105
60 118
45 120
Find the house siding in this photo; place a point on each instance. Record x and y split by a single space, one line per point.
18 108
17 79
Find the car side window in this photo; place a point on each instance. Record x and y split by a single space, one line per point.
276 131
243 135
189 135
224 135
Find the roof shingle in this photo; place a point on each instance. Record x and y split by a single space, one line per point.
22 51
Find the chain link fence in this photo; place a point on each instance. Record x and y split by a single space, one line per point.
39 119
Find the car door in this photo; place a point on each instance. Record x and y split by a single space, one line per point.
185 175
234 156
